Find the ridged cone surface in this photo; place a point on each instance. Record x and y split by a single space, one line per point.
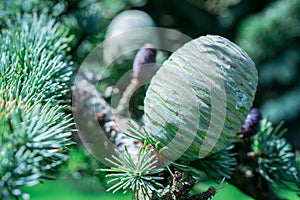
199 98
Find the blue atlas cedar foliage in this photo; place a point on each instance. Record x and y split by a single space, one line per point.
34 76
276 159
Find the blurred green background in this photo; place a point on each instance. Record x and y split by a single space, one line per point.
63 189
268 30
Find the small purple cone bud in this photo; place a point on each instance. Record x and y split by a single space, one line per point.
251 124
144 62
